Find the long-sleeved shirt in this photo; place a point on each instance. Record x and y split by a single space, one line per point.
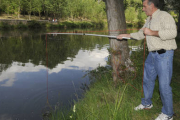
164 23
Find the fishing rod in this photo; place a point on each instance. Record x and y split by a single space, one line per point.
107 36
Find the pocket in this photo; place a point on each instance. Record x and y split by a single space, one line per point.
162 56
167 55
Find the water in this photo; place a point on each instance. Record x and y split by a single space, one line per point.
37 74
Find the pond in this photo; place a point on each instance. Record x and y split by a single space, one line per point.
38 72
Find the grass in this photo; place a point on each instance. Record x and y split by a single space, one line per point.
103 101
22 17
75 23
67 24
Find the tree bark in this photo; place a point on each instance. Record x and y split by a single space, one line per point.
19 11
117 25
178 25
39 15
162 4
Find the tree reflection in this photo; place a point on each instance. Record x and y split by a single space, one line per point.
27 47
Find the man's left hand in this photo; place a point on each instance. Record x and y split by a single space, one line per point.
149 32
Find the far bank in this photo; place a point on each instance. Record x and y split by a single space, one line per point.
19 24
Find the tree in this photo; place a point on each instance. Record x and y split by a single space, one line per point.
162 4
46 7
119 49
28 7
38 7
178 25
6 6
129 16
19 8
134 13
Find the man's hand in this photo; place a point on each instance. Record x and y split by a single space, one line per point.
123 35
149 32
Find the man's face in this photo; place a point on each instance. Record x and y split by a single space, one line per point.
147 8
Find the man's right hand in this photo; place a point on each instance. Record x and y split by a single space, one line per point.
123 35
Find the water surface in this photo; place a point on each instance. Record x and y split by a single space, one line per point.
37 73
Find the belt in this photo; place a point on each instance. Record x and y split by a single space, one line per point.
159 51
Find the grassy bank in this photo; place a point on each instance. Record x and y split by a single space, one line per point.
103 101
48 25
65 24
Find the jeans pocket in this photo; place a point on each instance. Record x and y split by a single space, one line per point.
167 55
161 56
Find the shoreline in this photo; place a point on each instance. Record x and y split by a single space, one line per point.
18 24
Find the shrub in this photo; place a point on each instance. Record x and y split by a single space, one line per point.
34 24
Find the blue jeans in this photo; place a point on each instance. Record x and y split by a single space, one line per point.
160 65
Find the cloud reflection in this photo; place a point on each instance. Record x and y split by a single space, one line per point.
84 60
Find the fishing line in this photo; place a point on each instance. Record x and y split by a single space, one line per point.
110 30
143 63
47 110
111 37
47 69
47 74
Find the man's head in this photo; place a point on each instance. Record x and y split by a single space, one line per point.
150 6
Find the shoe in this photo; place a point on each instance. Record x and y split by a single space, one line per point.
141 107
163 117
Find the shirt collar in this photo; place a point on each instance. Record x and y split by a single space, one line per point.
155 13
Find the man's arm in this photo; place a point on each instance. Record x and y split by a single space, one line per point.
146 31
150 32
137 35
169 30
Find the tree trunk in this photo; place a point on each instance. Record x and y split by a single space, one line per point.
47 18
39 15
162 4
117 25
178 25
29 15
19 11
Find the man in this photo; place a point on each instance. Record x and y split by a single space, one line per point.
160 32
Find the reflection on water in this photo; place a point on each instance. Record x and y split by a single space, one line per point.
84 60
34 70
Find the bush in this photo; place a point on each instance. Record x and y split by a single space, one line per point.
34 24
5 25
21 25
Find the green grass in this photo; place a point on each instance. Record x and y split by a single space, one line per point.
77 24
67 24
103 101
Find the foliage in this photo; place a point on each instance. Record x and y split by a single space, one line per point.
34 24
5 25
25 47
131 15
93 10
84 9
21 26
134 13
172 4
66 24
